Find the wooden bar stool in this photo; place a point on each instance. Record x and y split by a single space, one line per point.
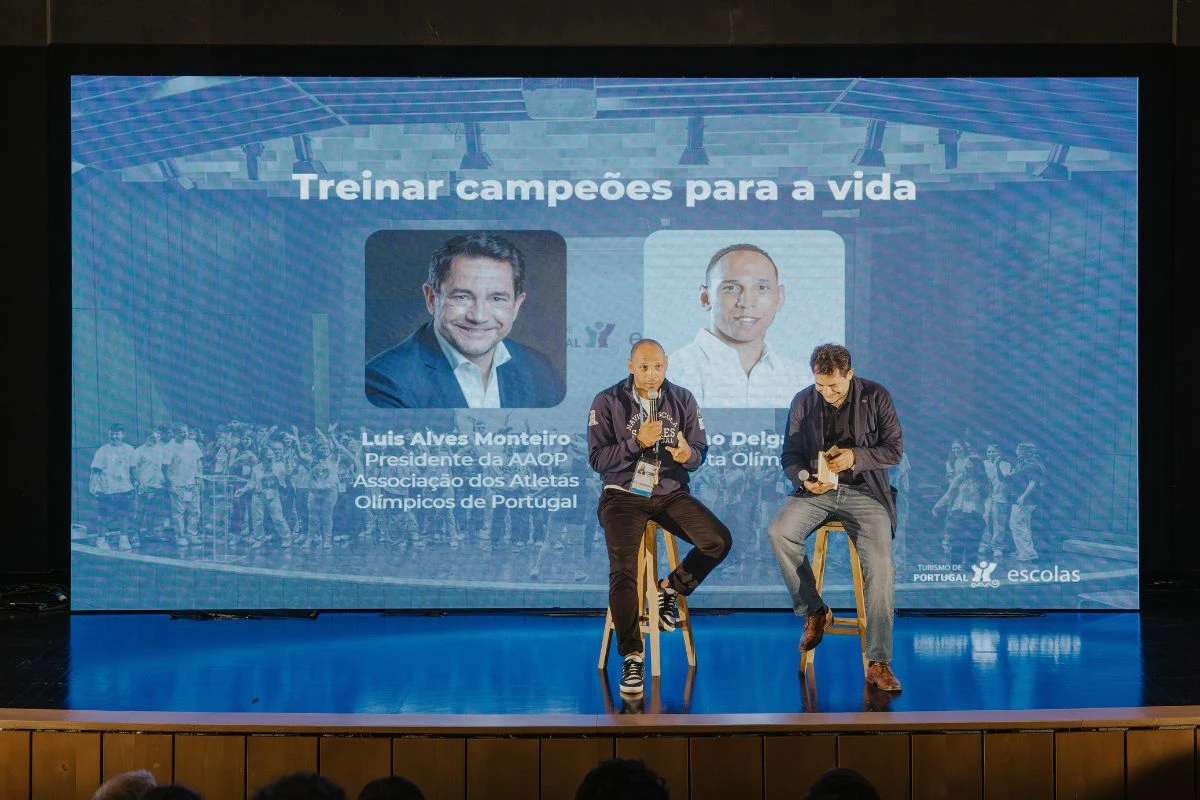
647 601
856 625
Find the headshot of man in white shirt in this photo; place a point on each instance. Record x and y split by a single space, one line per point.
729 363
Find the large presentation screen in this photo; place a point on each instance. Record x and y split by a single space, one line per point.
335 340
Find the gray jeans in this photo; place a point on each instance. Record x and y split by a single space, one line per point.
868 524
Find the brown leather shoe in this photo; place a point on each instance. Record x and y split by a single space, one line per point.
814 628
880 675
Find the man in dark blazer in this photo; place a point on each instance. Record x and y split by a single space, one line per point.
851 422
460 359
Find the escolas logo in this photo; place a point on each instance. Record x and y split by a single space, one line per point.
982 575
1056 574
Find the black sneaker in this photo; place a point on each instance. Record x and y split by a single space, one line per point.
633 676
668 610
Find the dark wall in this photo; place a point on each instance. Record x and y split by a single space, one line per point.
679 22
26 543
34 536
1179 547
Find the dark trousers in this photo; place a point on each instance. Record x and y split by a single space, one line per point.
623 516
116 512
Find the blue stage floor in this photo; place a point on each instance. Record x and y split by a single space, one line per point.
499 663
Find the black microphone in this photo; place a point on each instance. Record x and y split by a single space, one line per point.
652 405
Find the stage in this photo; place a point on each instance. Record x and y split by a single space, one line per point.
1087 704
530 663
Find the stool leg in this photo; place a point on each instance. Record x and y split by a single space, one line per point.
641 596
685 618
650 592
860 603
820 546
609 631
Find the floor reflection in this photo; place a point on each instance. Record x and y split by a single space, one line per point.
656 698
540 664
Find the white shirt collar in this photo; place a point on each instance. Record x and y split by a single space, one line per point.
470 377
716 350
712 370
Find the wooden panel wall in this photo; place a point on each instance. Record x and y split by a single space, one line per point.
500 769
1161 763
666 755
1090 764
64 766
353 762
438 766
271 757
792 763
123 752
1019 764
1085 764
947 766
726 766
15 777
565 762
215 766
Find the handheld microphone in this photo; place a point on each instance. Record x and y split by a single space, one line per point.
652 406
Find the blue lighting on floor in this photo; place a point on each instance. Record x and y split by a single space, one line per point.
353 663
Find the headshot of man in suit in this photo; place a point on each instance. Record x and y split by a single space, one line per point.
460 357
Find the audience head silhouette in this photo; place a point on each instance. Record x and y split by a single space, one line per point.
622 779
126 786
171 791
392 787
301 786
841 783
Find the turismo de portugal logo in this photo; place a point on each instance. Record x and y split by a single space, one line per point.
982 574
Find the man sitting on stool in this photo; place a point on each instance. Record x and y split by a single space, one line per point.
852 422
644 436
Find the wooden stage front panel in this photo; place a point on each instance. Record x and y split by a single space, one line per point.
1077 753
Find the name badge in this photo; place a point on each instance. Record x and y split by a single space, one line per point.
645 475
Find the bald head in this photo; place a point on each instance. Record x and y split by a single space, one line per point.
647 365
646 343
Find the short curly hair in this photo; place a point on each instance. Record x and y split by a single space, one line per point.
829 359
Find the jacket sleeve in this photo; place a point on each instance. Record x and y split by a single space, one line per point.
382 391
887 446
794 458
692 429
609 450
